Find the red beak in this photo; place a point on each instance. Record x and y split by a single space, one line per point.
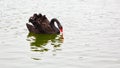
61 30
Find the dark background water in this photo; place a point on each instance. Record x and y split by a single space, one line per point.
91 34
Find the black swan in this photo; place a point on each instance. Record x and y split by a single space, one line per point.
41 25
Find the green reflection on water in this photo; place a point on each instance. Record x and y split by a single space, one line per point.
39 42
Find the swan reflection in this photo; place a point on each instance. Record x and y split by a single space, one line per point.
44 42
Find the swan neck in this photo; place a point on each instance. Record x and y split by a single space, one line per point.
58 23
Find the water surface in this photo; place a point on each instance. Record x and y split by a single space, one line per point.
91 34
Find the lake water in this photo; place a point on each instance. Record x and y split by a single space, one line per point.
91 34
